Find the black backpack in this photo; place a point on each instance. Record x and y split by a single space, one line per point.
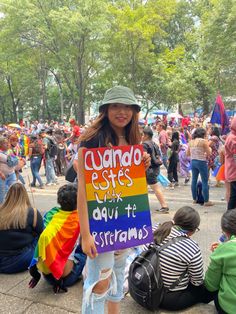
155 153
200 198
145 282
53 149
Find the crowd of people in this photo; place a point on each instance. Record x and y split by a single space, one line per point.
59 244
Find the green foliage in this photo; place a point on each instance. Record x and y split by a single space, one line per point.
58 57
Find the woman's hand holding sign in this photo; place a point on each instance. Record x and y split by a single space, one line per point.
88 246
146 160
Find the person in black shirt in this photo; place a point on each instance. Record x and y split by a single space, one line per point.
20 227
173 160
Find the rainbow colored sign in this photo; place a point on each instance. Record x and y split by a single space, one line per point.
119 214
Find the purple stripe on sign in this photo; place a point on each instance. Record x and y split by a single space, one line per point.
117 240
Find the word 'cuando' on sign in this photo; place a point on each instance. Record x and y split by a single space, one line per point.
118 236
112 158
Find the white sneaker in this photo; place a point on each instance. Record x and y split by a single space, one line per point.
49 184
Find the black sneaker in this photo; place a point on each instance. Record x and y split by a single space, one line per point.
186 180
164 210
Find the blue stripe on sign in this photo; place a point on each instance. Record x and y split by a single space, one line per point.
122 222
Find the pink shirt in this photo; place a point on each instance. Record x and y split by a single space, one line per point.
230 154
163 140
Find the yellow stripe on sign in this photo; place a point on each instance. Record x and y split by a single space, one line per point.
138 187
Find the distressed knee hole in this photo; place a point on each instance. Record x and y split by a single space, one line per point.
104 282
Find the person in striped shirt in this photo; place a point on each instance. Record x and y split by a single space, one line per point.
179 257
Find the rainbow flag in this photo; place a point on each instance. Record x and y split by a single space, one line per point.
219 115
25 144
57 241
116 188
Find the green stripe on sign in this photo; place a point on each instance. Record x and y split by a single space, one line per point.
139 203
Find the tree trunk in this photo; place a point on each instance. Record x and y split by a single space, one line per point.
43 90
20 110
14 104
3 110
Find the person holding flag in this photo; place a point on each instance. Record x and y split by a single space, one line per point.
219 115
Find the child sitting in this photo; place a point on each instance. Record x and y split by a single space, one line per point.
221 273
58 255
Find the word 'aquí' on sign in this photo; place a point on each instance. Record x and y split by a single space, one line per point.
112 213
110 178
105 213
110 237
112 158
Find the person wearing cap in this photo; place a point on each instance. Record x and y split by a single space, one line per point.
152 172
116 125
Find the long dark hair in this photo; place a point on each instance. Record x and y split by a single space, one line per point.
199 133
102 125
228 222
186 217
215 131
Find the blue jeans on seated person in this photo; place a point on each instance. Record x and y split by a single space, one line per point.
75 274
17 263
200 166
5 185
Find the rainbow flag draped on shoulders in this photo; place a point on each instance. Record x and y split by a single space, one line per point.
57 241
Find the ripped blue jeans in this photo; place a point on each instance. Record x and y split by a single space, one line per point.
115 261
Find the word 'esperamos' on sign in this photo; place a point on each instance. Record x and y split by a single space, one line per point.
110 237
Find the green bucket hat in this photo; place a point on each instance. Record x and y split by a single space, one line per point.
119 95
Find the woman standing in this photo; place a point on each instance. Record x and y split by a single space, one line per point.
36 152
7 168
214 144
117 124
199 150
20 227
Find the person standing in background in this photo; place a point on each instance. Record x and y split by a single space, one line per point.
164 142
230 164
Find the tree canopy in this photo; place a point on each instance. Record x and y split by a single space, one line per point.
57 57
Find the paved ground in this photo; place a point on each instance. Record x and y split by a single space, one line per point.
15 297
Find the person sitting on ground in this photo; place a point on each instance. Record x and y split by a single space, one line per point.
152 172
62 228
181 259
20 227
220 276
